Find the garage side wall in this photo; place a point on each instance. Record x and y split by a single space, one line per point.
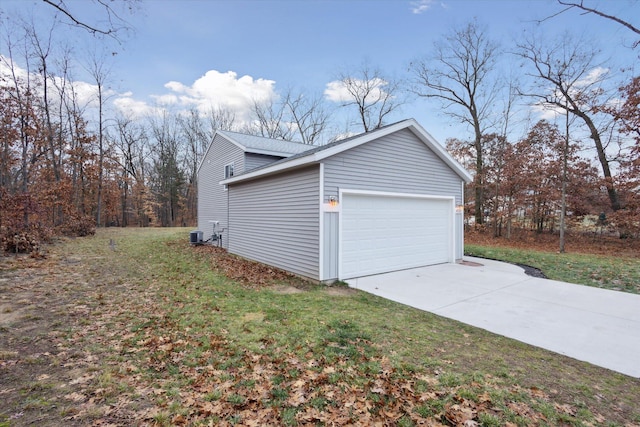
398 163
275 220
212 198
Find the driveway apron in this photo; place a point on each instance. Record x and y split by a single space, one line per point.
590 324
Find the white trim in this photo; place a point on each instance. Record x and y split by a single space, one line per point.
462 203
321 226
452 224
227 135
340 225
206 152
288 153
327 207
453 228
302 161
224 172
315 157
394 194
270 153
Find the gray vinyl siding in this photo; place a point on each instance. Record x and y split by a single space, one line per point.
275 220
253 161
399 163
212 198
330 247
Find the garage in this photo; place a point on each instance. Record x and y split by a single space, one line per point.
381 232
385 200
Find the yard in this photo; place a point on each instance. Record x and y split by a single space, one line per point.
592 260
135 327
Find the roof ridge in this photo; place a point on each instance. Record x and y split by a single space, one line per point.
222 131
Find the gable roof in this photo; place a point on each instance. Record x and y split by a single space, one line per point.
316 154
259 145
262 145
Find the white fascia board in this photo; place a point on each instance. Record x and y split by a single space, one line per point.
370 136
318 156
269 153
440 151
412 124
231 140
271 169
257 150
204 156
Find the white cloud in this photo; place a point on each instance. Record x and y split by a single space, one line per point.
5 70
547 112
84 94
592 77
167 99
421 6
214 89
131 107
336 90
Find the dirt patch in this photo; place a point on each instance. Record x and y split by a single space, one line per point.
340 291
32 350
253 317
50 376
286 290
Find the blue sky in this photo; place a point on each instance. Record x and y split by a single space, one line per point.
193 52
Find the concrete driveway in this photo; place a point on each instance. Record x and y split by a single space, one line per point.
590 324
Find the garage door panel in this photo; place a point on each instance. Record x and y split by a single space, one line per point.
384 233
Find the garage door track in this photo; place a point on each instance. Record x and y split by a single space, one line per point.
590 324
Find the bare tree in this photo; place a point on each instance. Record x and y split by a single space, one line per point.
587 10
460 76
270 120
220 118
111 23
167 182
22 93
307 115
41 49
132 143
372 93
196 136
572 70
100 74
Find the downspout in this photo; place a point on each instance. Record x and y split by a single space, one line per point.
228 191
321 234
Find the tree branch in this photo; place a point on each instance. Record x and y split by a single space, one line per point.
597 12
87 27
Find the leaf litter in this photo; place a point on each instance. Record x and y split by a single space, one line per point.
93 347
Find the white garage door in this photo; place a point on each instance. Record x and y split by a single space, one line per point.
382 233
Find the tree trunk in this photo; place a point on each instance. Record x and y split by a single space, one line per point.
479 211
602 157
100 156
